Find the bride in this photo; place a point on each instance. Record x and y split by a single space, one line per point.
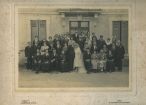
78 61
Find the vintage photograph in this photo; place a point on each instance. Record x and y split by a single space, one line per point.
73 47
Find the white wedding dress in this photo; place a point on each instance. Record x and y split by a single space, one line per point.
78 61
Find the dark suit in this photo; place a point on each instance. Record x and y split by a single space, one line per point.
119 55
87 61
94 48
101 43
28 54
58 50
70 55
76 37
34 49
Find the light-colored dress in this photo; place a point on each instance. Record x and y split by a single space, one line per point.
102 61
94 60
43 49
78 61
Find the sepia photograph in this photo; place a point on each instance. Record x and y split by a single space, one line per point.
73 47
72 52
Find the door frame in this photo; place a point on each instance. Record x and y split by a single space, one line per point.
38 26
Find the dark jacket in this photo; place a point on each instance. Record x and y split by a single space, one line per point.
28 52
70 53
119 52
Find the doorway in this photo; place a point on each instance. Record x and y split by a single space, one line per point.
120 29
78 26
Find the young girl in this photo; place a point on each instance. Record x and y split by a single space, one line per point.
102 61
94 61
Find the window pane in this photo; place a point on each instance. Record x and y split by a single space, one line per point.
84 24
74 24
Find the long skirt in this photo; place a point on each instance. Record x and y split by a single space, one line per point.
94 63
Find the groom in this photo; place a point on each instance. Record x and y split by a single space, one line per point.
70 55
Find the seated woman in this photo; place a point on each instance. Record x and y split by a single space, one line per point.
46 62
54 61
87 60
62 61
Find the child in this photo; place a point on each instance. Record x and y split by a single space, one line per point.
94 61
110 63
102 61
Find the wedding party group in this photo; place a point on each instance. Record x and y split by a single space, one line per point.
79 52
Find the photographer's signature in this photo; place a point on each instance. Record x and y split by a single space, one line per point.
28 102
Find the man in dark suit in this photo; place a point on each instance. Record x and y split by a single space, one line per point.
94 47
54 61
119 55
70 55
29 55
76 37
101 42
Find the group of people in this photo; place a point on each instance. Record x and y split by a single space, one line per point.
75 52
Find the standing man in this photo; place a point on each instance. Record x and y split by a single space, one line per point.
70 55
119 55
28 55
101 42
54 61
